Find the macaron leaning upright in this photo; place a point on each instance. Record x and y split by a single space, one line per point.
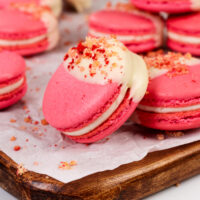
28 29
55 5
139 31
12 78
172 101
169 6
95 89
184 33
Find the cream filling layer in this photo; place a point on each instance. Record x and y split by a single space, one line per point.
168 109
183 38
22 42
124 38
11 87
102 118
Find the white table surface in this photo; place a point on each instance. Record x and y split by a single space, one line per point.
187 190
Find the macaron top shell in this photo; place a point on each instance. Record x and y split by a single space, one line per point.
121 22
12 66
185 24
20 25
178 86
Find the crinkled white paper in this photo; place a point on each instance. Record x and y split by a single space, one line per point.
43 147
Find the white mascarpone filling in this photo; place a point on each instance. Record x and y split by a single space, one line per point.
183 38
11 87
22 42
168 109
124 38
103 117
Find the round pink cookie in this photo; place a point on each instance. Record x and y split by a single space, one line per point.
12 78
170 6
139 31
172 101
83 100
25 32
184 33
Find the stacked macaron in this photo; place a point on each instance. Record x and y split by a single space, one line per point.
183 30
28 29
12 78
138 30
95 89
169 6
55 5
172 100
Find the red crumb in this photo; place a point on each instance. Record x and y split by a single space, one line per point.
37 89
28 68
13 138
36 123
27 140
36 163
28 120
66 165
160 136
22 128
20 169
173 62
44 122
13 120
17 148
67 43
174 133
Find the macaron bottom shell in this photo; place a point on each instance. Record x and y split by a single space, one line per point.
168 121
173 6
13 97
184 48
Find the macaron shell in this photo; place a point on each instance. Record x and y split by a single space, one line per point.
186 25
117 22
70 104
13 66
13 97
184 48
170 121
18 25
171 6
26 50
142 47
177 91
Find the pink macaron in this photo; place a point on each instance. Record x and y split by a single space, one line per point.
138 30
27 29
184 33
55 5
95 89
172 101
12 78
169 6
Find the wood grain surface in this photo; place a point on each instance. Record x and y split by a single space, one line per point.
136 180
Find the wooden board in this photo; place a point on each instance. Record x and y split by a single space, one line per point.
136 180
